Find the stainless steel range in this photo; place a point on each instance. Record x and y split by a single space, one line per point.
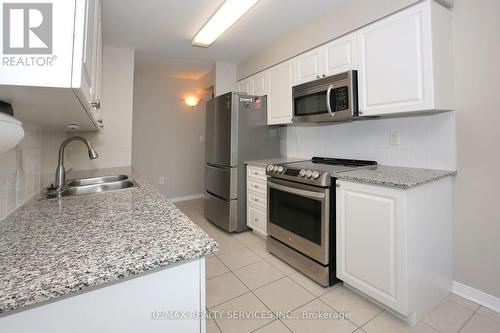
301 214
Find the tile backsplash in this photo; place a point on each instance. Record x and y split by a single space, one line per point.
424 141
24 170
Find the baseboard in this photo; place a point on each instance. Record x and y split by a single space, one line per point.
477 296
187 197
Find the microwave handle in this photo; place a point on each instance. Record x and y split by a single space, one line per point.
328 94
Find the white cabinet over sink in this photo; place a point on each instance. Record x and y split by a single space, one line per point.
63 85
394 245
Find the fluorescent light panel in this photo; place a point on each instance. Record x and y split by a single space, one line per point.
224 17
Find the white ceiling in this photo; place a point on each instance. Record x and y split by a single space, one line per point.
161 31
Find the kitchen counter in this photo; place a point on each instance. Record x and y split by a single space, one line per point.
392 176
278 160
51 248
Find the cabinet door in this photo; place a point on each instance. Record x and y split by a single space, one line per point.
395 60
279 100
308 66
98 69
339 55
371 241
245 86
256 218
89 51
260 83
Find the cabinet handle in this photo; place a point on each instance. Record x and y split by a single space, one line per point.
318 76
360 112
96 104
255 173
337 185
255 186
256 200
324 75
256 219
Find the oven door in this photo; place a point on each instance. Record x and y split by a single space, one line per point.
333 98
299 216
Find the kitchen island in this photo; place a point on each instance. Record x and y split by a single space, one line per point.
122 261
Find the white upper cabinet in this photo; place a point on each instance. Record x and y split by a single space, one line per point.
245 86
279 99
260 83
404 62
63 85
308 66
332 58
339 55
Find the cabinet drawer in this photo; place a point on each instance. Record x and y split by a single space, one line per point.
256 218
257 198
256 172
257 184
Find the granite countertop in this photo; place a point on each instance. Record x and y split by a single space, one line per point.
51 248
401 177
278 160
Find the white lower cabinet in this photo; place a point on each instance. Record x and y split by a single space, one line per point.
394 245
151 302
257 199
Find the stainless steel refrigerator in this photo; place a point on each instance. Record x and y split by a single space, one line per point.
236 131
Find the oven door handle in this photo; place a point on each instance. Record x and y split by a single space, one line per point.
303 193
328 95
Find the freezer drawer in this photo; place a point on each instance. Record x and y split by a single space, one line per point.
221 212
221 181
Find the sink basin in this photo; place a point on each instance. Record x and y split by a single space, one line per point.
96 180
97 188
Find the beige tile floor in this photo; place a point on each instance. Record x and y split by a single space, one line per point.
242 276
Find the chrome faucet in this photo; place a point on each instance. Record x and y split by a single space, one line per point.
60 171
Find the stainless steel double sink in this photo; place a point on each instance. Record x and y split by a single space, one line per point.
84 186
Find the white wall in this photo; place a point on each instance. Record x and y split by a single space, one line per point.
225 78
425 142
166 135
114 143
23 170
477 89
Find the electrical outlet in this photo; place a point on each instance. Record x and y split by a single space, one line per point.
161 180
202 139
394 138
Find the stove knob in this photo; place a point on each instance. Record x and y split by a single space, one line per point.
315 174
280 169
302 173
269 168
275 168
308 173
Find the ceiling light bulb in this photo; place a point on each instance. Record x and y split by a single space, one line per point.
224 17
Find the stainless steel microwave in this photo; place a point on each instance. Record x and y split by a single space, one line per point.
333 98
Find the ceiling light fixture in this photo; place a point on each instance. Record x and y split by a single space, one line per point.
224 17
191 101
